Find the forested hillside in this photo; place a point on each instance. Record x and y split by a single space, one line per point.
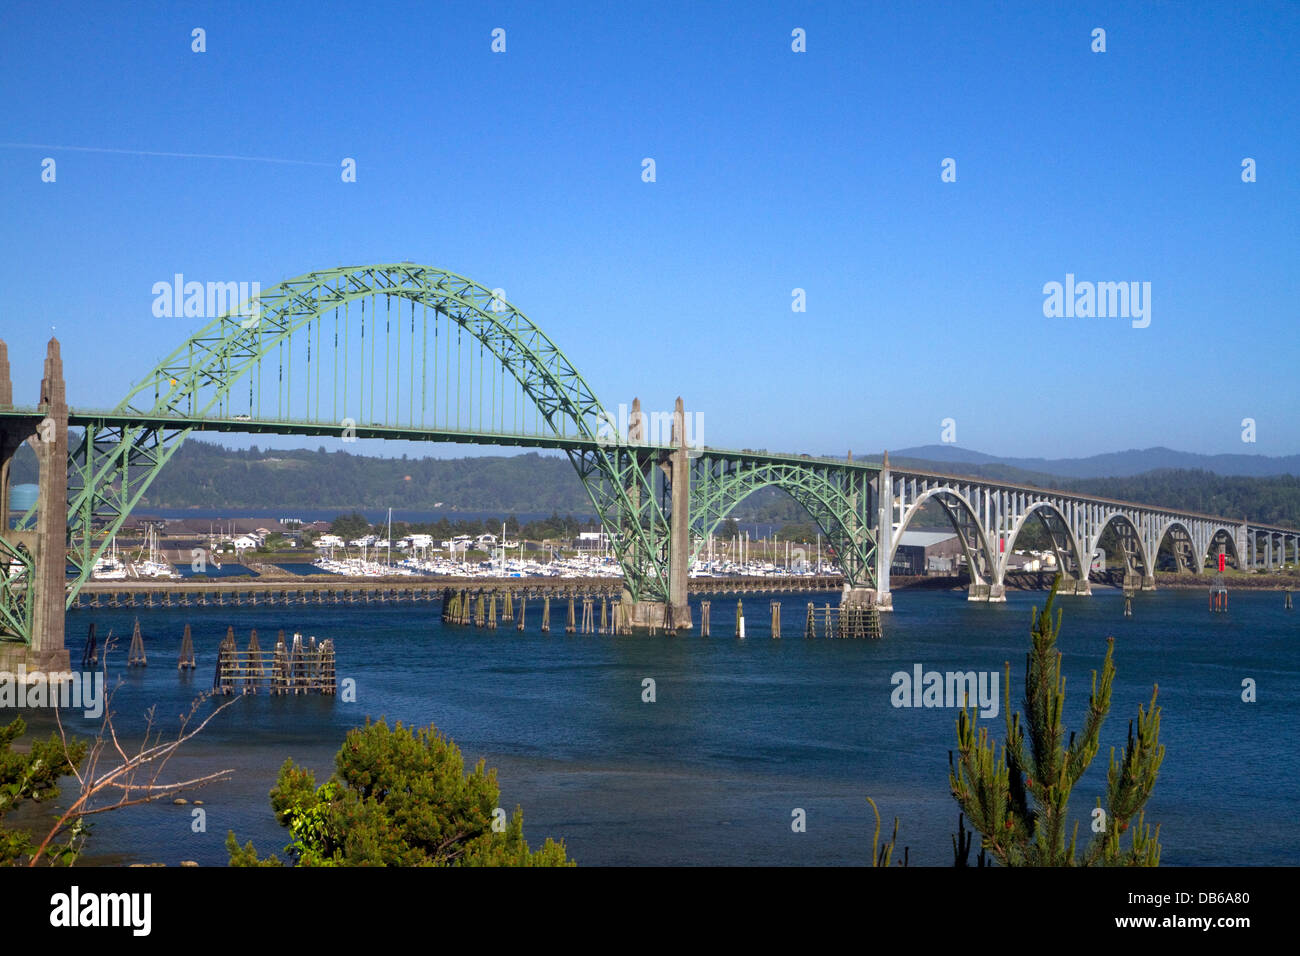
1274 500
203 474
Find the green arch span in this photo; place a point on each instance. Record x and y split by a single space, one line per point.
197 378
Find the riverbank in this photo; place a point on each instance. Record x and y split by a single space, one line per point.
1042 581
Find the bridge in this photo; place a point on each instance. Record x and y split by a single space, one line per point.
411 352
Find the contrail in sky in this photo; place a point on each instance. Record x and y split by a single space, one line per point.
149 152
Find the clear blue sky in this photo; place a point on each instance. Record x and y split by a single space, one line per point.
775 170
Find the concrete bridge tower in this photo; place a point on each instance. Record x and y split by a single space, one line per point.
42 597
675 465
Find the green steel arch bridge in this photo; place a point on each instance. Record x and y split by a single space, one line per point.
416 353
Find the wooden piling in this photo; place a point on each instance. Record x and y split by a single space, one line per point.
571 625
280 676
186 662
704 618
135 656
297 665
256 668
546 614
223 681
328 678
90 653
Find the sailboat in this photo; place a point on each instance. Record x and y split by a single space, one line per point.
109 567
148 563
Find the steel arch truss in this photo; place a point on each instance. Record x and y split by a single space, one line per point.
113 467
839 500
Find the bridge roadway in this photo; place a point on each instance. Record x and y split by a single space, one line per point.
104 418
315 590
988 514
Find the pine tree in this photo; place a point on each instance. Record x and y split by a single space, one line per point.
34 776
1018 801
397 798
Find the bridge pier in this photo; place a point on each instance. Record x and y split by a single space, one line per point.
866 597
42 650
1080 587
675 613
880 595
645 616
992 593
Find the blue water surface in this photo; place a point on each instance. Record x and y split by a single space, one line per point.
742 733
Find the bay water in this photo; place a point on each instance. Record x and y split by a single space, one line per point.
742 734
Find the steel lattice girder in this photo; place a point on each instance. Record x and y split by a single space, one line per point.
634 519
839 500
109 471
17 571
110 476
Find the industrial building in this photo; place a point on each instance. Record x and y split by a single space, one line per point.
927 552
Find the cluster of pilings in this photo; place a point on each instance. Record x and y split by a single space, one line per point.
135 657
848 620
845 621
299 668
481 610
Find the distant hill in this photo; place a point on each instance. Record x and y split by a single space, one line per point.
1119 464
204 475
